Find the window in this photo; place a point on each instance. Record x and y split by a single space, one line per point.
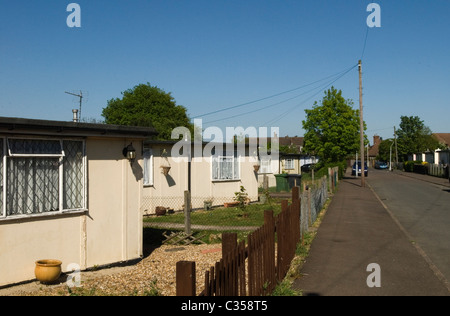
265 165
41 176
289 164
225 166
148 167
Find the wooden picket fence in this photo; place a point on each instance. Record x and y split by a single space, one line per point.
254 269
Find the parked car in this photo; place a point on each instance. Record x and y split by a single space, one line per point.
307 167
366 171
381 165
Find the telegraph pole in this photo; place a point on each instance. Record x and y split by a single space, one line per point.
361 128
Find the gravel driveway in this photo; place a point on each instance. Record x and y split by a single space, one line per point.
154 274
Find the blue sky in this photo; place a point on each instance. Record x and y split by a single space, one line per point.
215 54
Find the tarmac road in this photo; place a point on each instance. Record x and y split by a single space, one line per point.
422 207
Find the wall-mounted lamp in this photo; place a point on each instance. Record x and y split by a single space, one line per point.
130 153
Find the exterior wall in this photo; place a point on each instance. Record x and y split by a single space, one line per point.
443 157
296 169
109 232
275 169
114 224
222 191
168 191
24 241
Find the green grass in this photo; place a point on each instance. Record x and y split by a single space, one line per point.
251 215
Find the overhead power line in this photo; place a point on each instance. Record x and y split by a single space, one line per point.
276 119
271 96
365 43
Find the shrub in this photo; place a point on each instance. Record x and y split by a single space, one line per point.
322 169
241 196
408 166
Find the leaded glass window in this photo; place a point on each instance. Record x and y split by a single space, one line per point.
41 176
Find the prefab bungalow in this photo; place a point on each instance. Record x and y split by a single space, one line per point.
212 174
69 191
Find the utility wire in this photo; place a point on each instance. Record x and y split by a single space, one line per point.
365 43
265 98
263 108
297 105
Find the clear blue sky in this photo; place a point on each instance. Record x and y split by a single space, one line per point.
213 54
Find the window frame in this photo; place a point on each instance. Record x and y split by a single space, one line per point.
221 158
265 164
6 154
148 163
289 164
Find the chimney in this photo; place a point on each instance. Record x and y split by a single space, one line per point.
75 116
376 139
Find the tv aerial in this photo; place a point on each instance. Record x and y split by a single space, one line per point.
81 97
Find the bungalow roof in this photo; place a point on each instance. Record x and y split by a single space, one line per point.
443 138
15 125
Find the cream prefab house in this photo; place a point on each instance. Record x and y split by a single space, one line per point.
212 176
69 191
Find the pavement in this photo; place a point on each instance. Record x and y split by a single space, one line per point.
362 250
423 177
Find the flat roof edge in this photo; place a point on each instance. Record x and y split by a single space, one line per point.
21 125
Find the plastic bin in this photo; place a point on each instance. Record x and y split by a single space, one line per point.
294 180
282 182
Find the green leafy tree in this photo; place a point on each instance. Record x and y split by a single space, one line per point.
149 106
332 128
414 137
384 150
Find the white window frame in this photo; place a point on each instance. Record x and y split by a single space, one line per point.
265 165
148 167
7 154
235 156
289 164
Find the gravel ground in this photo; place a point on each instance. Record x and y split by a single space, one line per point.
155 274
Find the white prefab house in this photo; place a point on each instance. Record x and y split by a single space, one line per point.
212 176
68 191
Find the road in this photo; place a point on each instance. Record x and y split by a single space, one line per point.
422 209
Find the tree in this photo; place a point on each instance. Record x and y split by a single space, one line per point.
414 137
384 150
149 106
332 128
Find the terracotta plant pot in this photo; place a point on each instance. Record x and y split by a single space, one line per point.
160 211
47 270
231 204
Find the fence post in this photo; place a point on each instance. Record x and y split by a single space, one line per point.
185 278
229 243
295 193
308 196
187 212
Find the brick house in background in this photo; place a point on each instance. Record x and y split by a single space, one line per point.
374 150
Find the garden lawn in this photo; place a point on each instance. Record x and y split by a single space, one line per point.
250 215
